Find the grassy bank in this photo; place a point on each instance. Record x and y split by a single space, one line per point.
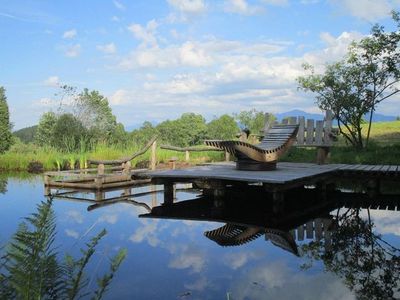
20 156
384 148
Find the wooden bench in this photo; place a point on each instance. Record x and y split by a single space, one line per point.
263 156
311 133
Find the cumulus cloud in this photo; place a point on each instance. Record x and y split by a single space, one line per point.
109 218
147 232
198 285
242 7
119 5
73 50
276 281
188 6
52 81
369 10
72 233
75 216
239 259
188 257
70 34
146 34
107 48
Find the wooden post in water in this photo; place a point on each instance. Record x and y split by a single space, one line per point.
169 193
153 157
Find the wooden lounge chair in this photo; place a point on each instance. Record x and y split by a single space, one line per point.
262 156
234 235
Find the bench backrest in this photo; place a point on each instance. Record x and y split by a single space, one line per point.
311 133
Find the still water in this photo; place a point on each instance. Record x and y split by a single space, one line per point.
252 252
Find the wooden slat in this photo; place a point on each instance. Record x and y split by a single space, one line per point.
300 233
300 132
310 229
318 229
392 168
310 131
328 127
318 132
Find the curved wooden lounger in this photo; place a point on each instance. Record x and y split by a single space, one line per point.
264 155
234 235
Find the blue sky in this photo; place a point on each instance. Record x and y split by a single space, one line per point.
156 59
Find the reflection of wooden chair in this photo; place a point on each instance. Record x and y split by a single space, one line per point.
234 235
264 155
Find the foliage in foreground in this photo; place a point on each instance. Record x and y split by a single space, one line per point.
5 125
30 268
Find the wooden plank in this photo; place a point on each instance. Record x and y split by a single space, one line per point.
392 169
318 229
319 131
300 233
310 229
327 140
301 131
310 132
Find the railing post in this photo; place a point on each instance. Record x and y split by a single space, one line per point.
100 169
153 156
227 156
187 156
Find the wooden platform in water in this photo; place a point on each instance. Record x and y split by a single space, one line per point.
285 173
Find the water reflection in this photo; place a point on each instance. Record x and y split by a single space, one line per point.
337 230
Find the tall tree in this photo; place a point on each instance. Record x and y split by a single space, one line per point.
354 86
252 120
222 128
5 125
45 129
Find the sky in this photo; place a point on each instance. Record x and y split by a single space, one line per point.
156 59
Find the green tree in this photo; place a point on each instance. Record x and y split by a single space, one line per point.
93 111
142 135
45 129
5 125
354 86
67 133
190 129
222 128
252 120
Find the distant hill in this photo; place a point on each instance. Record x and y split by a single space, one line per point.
297 112
27 134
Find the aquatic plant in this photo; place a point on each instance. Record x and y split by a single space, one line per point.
30 268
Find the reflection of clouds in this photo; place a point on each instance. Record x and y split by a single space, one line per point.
276 281
72 233
75 215
198 285
147 232
385 221
111 219
188 257
239 259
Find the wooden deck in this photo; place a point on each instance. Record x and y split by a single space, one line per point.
286 173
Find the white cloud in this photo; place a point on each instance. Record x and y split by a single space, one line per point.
188 257
52 81
147 232
369 10
115 19
70 34
241 7
110 218
119 5
276 2
239 259
72 233
189 6
145 34
73 50
45 102
107 48
119 97
199 285
75 216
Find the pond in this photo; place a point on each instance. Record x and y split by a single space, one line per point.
238 247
